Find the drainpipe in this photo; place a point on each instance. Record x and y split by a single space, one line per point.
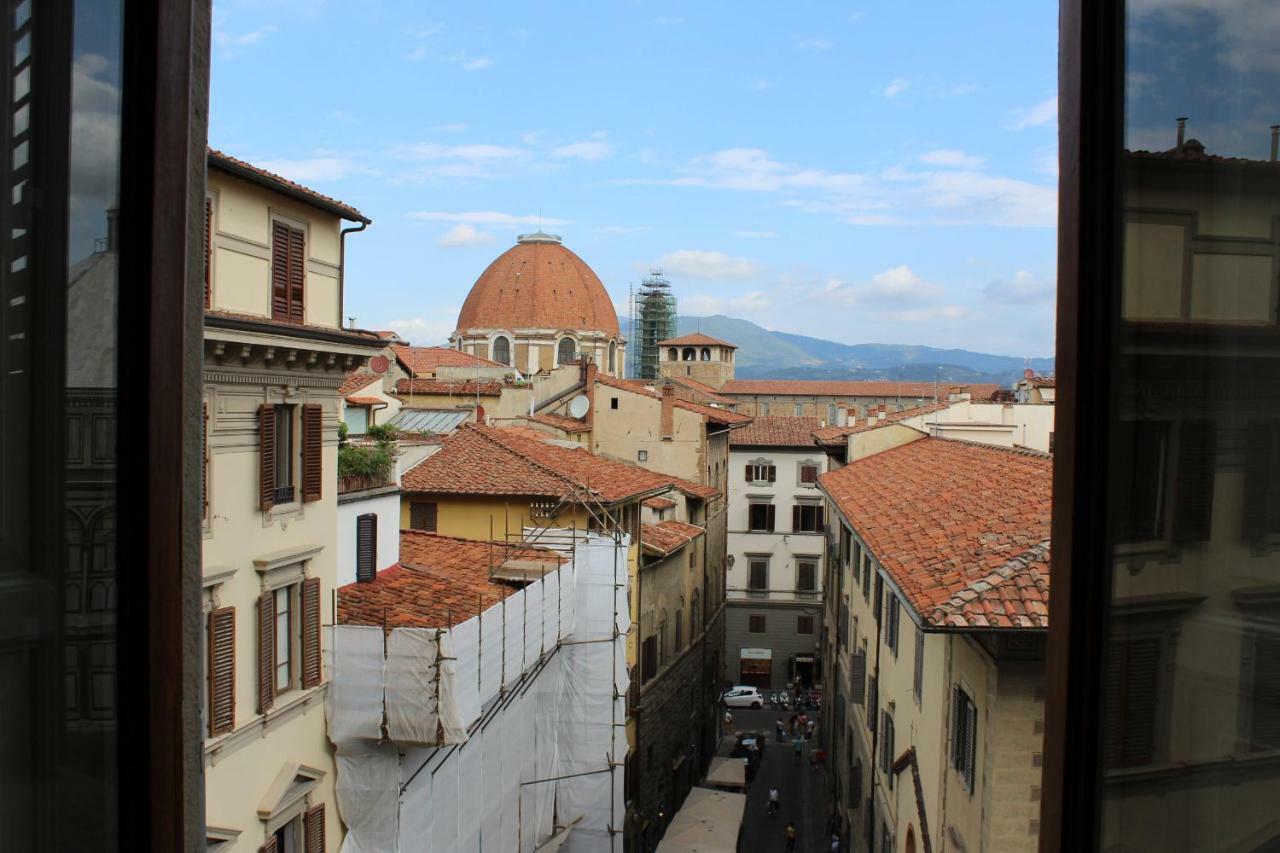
342 262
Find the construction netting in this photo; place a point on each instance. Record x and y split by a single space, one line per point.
498 733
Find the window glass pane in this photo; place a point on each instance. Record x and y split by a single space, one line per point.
1191 688
283 676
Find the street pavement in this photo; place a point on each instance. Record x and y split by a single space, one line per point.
803 792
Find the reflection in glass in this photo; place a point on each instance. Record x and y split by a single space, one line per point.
1191 716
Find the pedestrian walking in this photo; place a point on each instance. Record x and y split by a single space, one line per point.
774 803
809 729
790 832
791 725
779 727
835 844
728 722
797 748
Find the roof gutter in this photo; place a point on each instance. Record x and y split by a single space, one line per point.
342 263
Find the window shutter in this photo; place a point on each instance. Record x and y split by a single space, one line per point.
313 825
204 461
1193 515
748 474
795 517
1264 731
279 271
208 252
266 652
312 452
366 546
820 518
957 727
222 671
772 517
422 516
1259 470
266 457
311 670
1129 705
858 678
918 674
873 704
297 274
970 743
773 473
270 846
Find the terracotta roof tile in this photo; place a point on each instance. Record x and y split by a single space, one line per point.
426 360
561 422
775 431
463 388
944 516
839 434
702 393
366 401
667 537
851 388
660 503
539 284
697 339
357 380
240 168
438 579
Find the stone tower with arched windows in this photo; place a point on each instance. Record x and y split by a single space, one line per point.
699 357
539 306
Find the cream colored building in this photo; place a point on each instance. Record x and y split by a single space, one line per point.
936 620
702 358
275 355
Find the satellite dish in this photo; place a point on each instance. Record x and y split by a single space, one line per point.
579 406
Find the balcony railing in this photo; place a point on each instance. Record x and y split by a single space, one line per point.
802 595
284 494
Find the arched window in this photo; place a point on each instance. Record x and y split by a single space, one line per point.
501 350
688 354
672 355
613 356
706 353
567 352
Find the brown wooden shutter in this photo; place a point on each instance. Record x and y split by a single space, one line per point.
1129 703
1259 472
970 743
208 252
279 271
795 517
266 652
312 452
773 473
748 474
772 516
313 826
204 461
266 457
270 846
222 671
820 518
366 547
423 516
1193 514
858 678
311 669
297 274
1264 729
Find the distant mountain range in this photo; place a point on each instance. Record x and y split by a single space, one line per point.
764 354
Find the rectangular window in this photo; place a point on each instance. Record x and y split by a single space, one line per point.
804 624
366 546
879 600
964 735
283 455
866 577
892 612
764 408
761 518
422 515
613 403
808 474
806 578
886 748
649 659
917 683
1141 499
873 702
283 610
288 273
1264 694
806 518
757 578
842 629
1132 682
756 623
761 472
832 414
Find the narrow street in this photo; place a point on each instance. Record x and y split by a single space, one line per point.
803 793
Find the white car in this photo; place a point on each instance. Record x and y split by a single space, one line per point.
743 697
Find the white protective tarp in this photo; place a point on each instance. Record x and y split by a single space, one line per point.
368 792
354 703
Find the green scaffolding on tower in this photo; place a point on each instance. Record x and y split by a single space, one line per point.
653 319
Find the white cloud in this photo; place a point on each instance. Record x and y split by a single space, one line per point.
483 217
1022 289
896 288
815 45
707 266
463 235
756 235
423 332
951 157
753 302
1043 113
592 149
896 87
1243 32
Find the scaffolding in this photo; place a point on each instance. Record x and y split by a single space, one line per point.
653 319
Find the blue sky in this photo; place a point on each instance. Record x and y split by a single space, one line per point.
864 172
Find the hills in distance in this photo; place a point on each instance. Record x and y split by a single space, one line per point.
764 354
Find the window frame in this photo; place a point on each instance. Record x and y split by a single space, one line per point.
286 447
770 517
757 619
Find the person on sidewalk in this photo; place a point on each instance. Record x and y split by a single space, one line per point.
790 832
812 724
780 729
728 722
774 803
835 844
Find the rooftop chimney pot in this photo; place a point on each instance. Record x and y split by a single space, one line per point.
1275 141
1182 129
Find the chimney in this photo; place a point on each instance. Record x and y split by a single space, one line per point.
668 411
1275 141
589 389
1182 130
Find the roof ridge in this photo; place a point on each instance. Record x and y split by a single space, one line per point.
996 577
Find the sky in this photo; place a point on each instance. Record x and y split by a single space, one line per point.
861 172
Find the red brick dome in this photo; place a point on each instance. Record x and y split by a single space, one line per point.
538 284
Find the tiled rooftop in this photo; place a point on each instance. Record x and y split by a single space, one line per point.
439 580
943 517
465 388
426 360
711 413
660 503
667 537
697 339
561 422
775 431
851 388
357 380
356 400
701 390
839 434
